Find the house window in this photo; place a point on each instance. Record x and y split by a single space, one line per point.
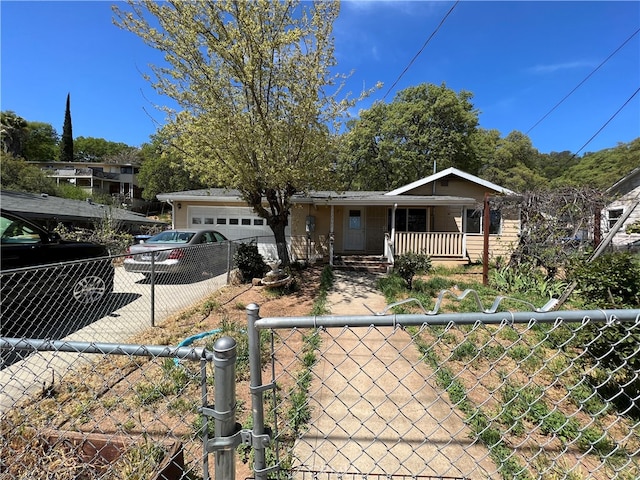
208 220
495 222
258 221
473 221
417 220
196 221
233 221
221 221
246 221
355 222
614 214
409 220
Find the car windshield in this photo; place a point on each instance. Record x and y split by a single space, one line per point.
171 237
16 231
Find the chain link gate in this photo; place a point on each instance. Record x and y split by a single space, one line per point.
523 395
92 441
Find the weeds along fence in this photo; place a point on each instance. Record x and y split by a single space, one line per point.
522 395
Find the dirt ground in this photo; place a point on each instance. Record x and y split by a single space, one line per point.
108 390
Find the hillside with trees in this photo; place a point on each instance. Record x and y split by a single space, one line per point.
387 146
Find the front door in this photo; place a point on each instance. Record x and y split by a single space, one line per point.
354 236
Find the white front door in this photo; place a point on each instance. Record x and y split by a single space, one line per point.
354 229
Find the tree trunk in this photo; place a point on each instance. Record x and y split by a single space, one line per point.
277 226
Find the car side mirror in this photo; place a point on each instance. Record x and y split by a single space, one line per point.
54 237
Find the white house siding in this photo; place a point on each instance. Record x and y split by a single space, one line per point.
624 204
627 191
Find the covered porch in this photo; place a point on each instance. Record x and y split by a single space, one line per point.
385 226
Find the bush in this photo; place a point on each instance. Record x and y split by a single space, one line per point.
610 281
409 264
106 231
249 261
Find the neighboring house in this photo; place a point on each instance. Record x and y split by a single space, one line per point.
50 211
439 215
114 179
626 193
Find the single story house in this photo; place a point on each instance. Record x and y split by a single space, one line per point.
626 194
440 215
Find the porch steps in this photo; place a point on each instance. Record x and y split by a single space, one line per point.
361 263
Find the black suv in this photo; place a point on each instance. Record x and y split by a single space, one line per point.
37 266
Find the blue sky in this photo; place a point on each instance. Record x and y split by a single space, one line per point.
518 59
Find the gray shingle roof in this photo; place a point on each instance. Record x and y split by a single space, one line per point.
61 209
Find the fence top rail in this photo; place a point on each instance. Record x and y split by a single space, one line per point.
394 320
43 345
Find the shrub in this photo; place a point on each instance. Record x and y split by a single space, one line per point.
106 231
610 281
409 264
250 262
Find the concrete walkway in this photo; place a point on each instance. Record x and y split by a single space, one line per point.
377 408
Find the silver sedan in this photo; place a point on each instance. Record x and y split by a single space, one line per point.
174 252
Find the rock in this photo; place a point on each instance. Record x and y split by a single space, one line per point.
235 277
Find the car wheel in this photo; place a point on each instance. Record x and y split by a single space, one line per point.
90 289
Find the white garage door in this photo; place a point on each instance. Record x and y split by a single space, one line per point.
236 223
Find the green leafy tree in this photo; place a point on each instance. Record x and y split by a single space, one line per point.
512 164
92 149
41 144
17 174
555 164
162 169
394 144
603 168
13 133
253 83
66 142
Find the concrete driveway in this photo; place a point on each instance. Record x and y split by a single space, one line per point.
126 313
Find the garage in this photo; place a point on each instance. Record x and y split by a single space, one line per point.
235 223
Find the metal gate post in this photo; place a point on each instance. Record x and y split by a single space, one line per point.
224 361
257 404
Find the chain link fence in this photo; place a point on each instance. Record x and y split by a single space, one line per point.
100 300
468 396
522 395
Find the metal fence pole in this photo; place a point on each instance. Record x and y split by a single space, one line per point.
228 261
153 290
224 361
257 404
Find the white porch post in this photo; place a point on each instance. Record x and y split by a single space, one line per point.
392 242
331 236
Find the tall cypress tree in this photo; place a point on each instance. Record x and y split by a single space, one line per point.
66 143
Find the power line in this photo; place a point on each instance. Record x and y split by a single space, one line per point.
606 123
583 81
421 49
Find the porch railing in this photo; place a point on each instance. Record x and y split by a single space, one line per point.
435 244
